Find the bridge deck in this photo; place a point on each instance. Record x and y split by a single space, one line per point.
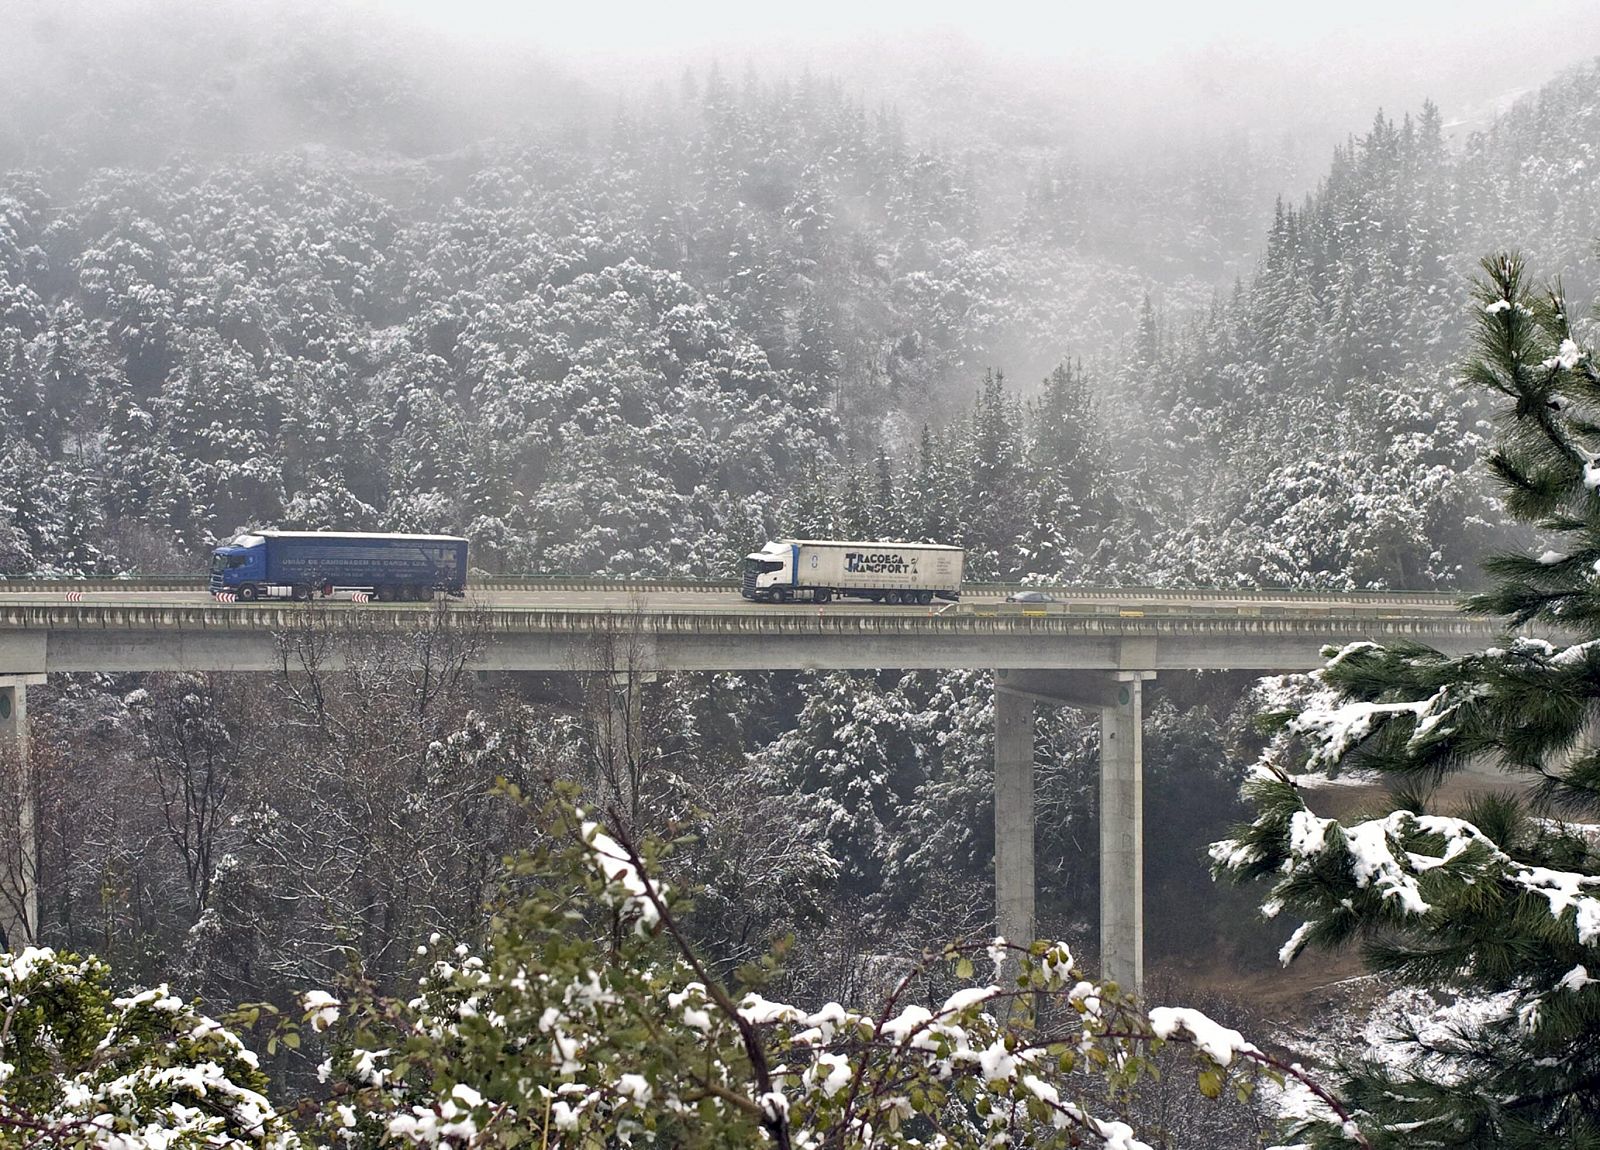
550 626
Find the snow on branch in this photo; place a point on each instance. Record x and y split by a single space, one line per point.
581 1032
1409 861
638 899
80 1067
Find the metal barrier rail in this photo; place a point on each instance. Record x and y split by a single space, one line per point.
26 585
1068 598
1218 594
578 583
29 584
102 618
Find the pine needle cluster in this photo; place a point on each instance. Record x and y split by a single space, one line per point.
1497 904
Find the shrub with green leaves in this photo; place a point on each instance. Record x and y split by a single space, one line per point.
81 1067
587 1019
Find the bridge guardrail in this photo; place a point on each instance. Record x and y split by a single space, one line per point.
27 584
117 616
1181 594
1081 598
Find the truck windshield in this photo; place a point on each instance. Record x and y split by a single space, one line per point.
218 561
761 566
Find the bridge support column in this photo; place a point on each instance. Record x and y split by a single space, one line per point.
1122 836
19 855
1118 696
1013 816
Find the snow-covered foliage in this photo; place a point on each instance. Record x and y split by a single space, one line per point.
82 1068
1493 903
561 1027
1309 424
585 1013
737 312
729 317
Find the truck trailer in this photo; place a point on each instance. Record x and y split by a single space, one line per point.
300 564
815 570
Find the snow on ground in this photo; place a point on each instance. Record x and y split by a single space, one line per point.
1363 1021
1589 832
1314 780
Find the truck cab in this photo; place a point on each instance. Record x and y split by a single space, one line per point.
770 572
239 566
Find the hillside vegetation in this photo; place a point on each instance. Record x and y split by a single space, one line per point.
300 281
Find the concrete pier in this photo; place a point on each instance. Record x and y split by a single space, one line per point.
1122 836
1013 815
1118 698
19 855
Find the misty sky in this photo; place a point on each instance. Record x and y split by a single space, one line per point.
1120 74
1123 30
1111 81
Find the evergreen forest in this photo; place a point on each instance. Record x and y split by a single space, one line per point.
308 276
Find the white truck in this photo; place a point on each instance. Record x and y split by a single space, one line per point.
815 570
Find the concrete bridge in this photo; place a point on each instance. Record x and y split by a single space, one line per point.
1092 648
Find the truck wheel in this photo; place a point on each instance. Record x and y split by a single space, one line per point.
781 595
299 592
249 592
823 596
924 596
383 593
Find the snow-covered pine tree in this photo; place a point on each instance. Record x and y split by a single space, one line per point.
994 504
1065 458
857 520
886 521
1502 905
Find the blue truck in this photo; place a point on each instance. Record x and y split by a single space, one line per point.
300 564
